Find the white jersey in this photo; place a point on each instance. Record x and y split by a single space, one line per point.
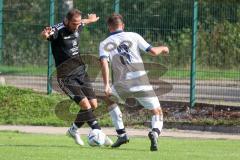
120 42
123 50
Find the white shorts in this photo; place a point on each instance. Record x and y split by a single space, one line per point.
147 102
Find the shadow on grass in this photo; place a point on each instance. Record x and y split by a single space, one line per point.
36 146
66 146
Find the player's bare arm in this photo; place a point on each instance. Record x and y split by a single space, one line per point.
105 75
91 19
159 50
46 33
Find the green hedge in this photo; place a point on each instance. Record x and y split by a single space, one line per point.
20 106
23 106
26 107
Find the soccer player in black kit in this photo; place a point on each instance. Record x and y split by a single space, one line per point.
71 74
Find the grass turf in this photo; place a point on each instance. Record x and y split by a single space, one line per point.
15 146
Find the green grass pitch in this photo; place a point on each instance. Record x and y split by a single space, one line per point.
22 146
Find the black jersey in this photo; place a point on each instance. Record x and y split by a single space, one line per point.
65 45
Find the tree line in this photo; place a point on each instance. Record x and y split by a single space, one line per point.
158 21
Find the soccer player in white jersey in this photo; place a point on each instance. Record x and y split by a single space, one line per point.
122 50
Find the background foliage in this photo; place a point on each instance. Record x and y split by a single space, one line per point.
159 21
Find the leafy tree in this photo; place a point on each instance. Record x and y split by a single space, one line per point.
158 21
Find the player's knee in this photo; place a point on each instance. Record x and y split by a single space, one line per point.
160 111
84 104
157 111
94 104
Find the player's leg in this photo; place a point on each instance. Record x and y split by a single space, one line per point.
116 116
79 121
157 124
152 103
88 91
73 88
84 115
93 103
89 94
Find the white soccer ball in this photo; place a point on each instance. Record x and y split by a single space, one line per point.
96 138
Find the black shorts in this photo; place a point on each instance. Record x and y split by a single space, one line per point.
77 87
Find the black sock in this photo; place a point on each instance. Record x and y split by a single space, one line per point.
87 116
94 124
78 121
156 130
120 131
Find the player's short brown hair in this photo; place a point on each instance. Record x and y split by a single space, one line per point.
114 20
72 13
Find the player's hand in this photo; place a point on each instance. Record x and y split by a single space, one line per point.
93 18
165 50
46 32
107 90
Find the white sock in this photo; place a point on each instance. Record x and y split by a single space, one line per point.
157 122
116 116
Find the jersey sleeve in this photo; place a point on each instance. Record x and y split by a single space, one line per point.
142 44
53 34
80 28
102 52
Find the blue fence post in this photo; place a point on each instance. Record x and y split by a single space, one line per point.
116 6
193 56
50 57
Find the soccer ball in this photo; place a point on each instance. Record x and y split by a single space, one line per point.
96 138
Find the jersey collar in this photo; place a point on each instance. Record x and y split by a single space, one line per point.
116 32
